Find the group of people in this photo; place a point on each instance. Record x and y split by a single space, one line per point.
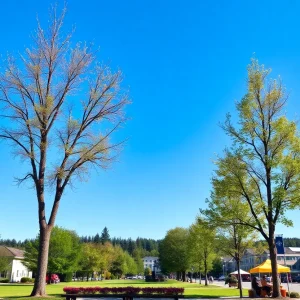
260 285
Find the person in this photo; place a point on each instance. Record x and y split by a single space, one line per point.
255 284
211 279
266 286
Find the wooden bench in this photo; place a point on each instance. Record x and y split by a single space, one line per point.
123 296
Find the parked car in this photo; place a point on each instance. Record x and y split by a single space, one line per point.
221 278
297 279
54 278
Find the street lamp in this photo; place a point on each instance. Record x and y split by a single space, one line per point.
224 270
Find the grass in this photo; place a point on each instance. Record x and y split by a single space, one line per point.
21 291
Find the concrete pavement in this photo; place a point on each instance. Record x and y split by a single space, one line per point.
294 287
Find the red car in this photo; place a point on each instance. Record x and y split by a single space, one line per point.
54 278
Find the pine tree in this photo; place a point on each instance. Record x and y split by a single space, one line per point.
105 235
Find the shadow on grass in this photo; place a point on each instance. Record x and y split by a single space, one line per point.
52 297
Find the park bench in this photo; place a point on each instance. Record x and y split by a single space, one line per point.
121 296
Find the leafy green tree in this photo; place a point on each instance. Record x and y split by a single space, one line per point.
225 213
64 252
217 267
263 165
5 263
137 256
174 256
201 246
118 267
147 271
91 260
130 265
42 117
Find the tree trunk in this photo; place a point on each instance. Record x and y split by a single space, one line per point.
183 276
239 277
205 272
39 288
273 257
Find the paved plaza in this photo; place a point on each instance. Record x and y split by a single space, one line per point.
294 287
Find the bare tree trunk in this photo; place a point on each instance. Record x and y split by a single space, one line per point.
183 276
273 257
239 278
39 288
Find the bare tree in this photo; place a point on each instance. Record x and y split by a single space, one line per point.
60 109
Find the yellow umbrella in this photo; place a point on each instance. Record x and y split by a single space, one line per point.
266 267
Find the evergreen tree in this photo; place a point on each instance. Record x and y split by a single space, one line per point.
105 235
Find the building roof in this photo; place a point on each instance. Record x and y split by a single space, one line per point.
295 249
150 257
11 252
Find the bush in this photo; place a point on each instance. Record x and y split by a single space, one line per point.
107 275
294 295
27 280
4 280
149 278
231 279
66 277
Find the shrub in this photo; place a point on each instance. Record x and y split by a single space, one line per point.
107 275
4 280
294 295
26 280
66 277
231 279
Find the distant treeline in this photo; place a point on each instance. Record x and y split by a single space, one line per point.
146 246
291 242
143 245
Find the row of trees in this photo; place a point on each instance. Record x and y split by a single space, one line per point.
143 245
68 255
255 183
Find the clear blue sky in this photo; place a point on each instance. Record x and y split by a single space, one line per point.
185 64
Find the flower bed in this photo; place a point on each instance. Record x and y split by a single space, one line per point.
124 290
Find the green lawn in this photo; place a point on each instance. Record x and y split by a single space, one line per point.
21 291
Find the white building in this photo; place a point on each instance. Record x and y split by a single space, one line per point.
151 262
16 268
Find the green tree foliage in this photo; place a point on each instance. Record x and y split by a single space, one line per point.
64 252
174 256
263 166
217 267
118 267
225 212
5 264
147 271
201 246
91 260
137 255
104 236
291 242
148 247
